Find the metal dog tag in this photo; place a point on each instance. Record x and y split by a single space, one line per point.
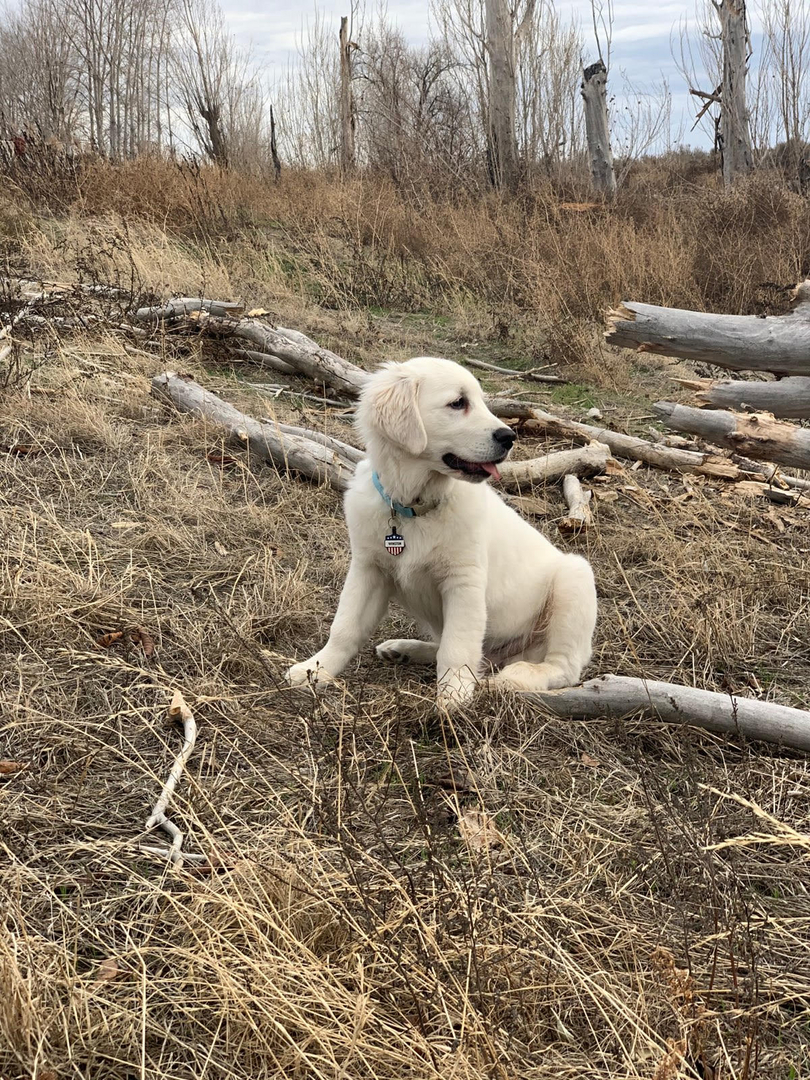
394 543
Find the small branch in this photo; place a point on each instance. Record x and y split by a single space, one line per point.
178 708
530 376
264 359
350 453
579 512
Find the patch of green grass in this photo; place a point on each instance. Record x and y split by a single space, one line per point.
573 394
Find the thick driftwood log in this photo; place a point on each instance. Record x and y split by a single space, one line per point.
756 435
777 343
285 451
588 459
627 446
618 696
579 511
788 399
185 305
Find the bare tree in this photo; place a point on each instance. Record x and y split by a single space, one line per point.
501 140
735 133
786 27
348 158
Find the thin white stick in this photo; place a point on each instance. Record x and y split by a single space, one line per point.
158 817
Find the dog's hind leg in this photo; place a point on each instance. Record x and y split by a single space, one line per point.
407 651
560 656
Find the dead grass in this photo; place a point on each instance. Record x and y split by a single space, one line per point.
616 912
510 895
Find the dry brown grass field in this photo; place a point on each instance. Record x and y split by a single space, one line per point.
393 894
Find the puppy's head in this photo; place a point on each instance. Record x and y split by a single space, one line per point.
433 411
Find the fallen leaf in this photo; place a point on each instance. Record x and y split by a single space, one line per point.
458 780
107 970
106 640
46 1074
479 832
220 549
145 640
254 313
220 459
8 768
591 762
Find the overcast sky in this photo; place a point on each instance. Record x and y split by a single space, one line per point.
644 35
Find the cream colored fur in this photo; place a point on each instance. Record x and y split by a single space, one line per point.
478 579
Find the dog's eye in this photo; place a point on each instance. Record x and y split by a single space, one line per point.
459 403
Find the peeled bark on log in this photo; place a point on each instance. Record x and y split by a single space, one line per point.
286 451
756 435
627 446
579 511
777 343
589 459
788 399
619 696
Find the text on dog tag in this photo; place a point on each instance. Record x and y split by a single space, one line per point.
394 544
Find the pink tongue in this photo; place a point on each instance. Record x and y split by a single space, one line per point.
491 468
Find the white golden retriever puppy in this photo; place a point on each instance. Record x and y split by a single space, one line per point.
426 530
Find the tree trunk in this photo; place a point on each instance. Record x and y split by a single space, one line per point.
756 435
786 398
618 696
274 147
347 117
287 451
501 139
597 129
735 131
777 343
588 459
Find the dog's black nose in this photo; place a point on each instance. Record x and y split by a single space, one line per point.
504 437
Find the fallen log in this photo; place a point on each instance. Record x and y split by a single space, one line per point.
287 452
344 450
756 435
264 360
579 515
309 359
786 398
589 459
289 346
777 343
619 696
627 446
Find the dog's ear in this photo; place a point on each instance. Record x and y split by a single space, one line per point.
393 408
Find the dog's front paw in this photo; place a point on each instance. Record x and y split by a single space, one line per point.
456 688
308 673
